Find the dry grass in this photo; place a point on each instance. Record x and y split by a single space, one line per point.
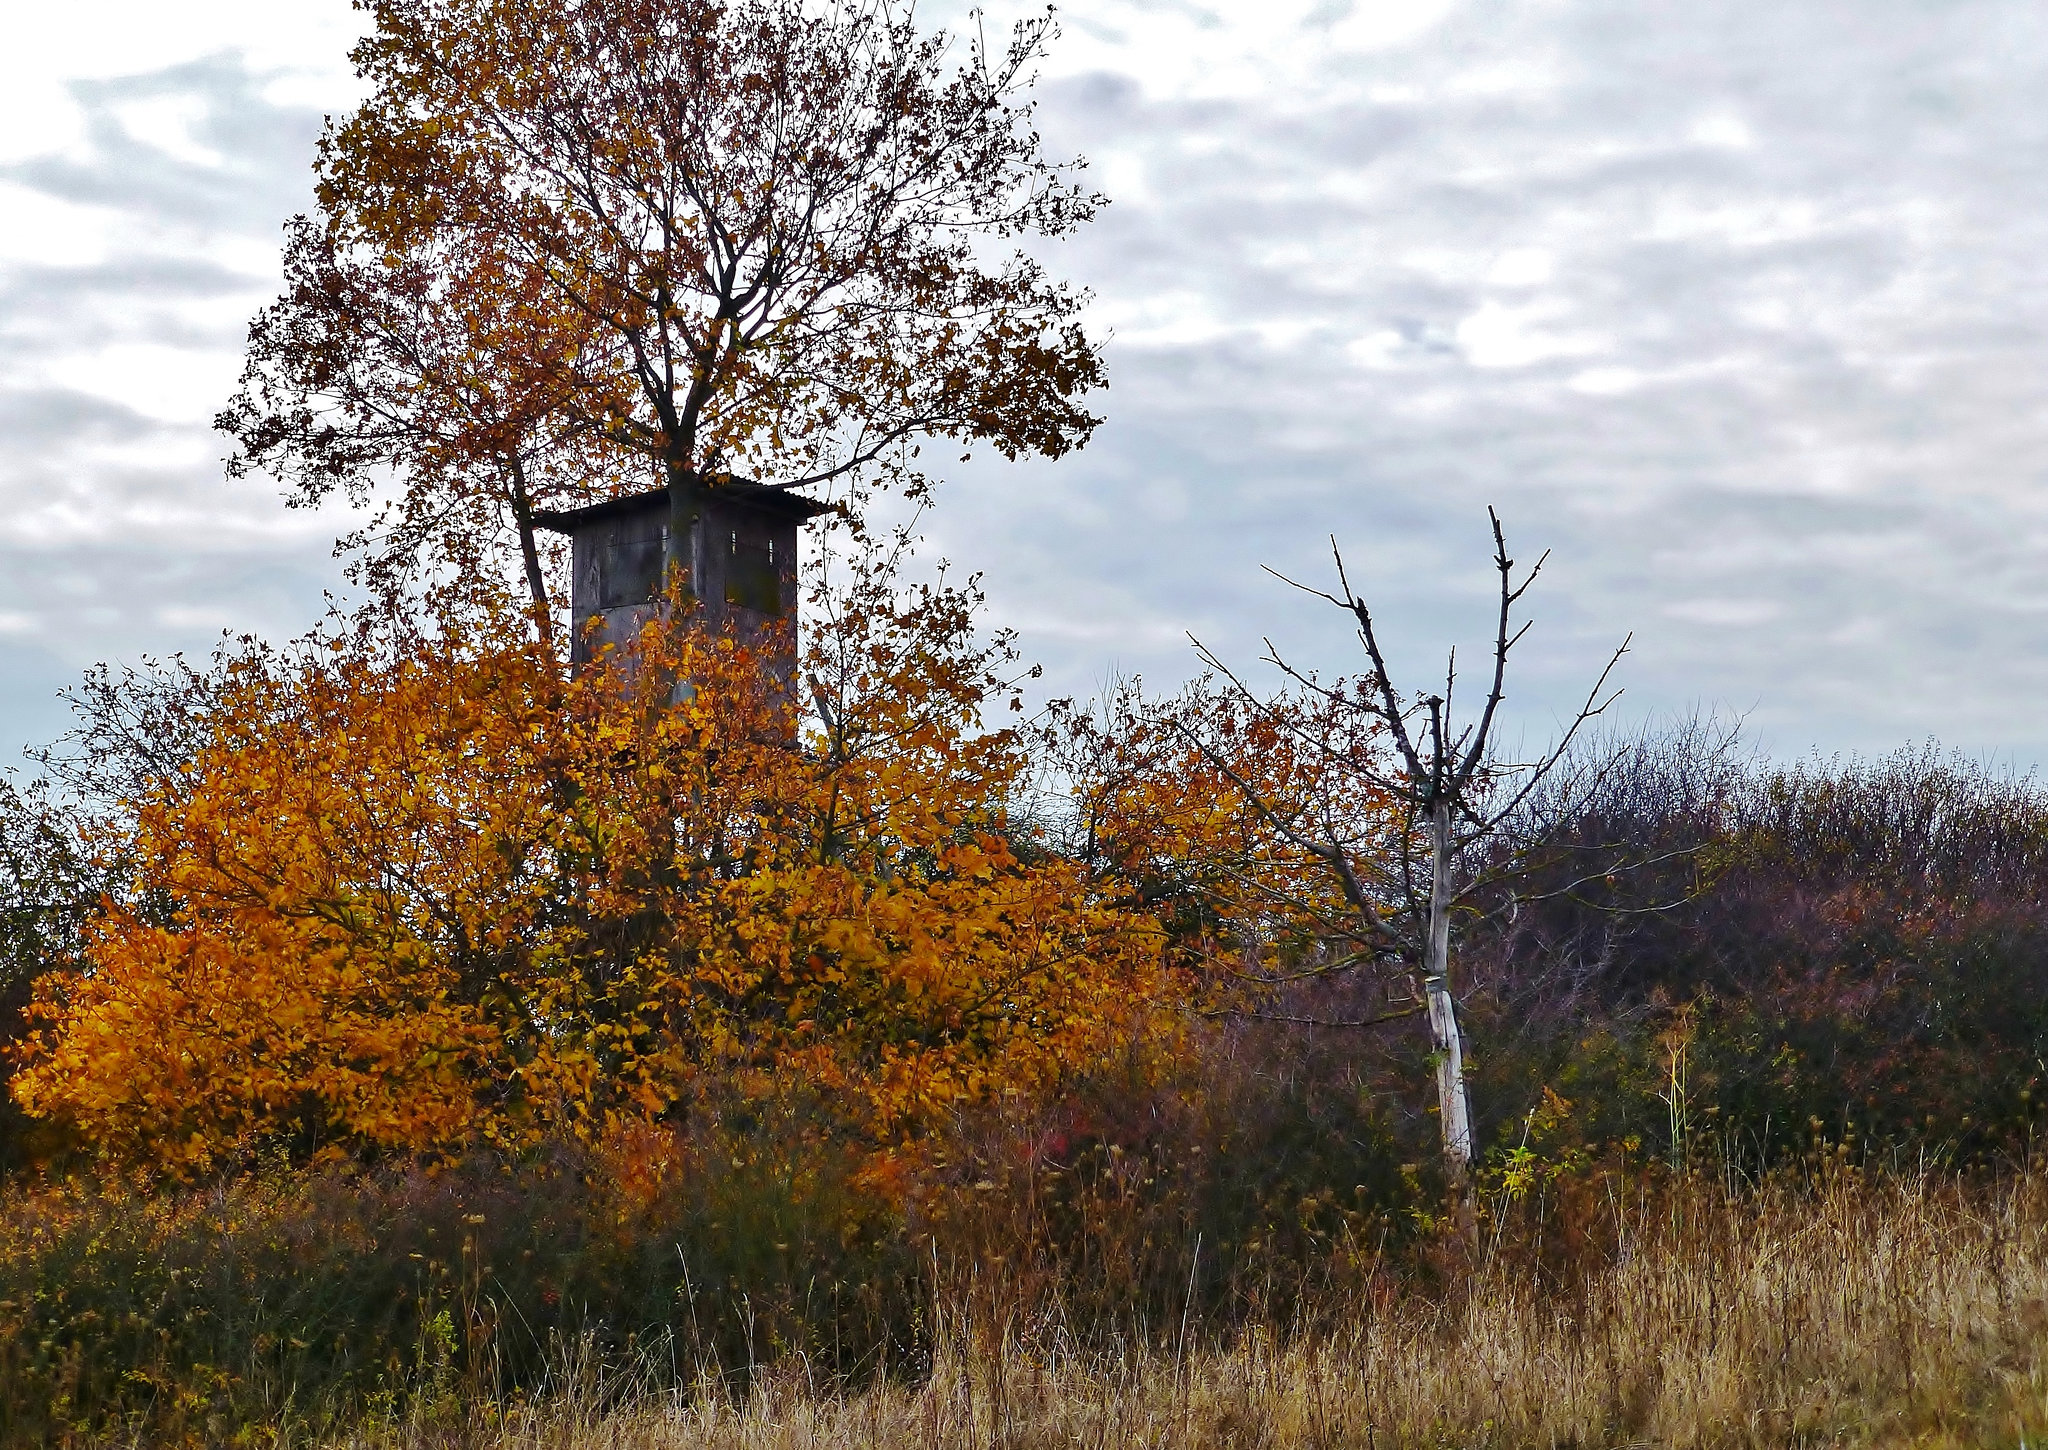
1849 1313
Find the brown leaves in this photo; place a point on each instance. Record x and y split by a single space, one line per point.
589 237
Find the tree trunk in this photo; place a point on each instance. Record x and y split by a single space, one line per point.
1453 1108
681 568
685 507
529 553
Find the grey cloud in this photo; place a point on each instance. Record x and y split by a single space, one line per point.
132 299
31 679
1798 369
1739 308
264 150
118 534
37 419
96 601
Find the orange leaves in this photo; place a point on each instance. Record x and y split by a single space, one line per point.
414 891
314 888
733 237
883 920
180 1044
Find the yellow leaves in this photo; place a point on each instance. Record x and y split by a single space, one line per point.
425 893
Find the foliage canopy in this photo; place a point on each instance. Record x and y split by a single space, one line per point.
413 891
565 246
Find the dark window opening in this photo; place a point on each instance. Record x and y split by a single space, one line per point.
751 579
629 572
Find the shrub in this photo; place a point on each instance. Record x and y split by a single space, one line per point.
318 1296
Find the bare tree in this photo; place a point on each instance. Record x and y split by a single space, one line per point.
1429 823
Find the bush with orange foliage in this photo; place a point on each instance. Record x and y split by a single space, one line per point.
416 891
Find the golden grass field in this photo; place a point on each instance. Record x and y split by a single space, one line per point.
1898 1312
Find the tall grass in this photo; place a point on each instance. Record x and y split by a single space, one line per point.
1831 1311
315 1299
1072 1282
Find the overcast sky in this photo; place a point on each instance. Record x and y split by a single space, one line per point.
1739 308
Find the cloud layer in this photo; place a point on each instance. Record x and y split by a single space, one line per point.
132 256
1736 308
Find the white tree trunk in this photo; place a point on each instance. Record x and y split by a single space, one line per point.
1453 1107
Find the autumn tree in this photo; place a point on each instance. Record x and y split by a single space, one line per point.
50 886
1167 799
363 370
413 891
64 849
1416 820
677 239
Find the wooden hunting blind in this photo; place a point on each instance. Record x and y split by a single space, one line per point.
742 562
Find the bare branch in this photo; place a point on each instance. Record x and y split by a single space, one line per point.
1329 851
1415 1010
1588 712
1292 583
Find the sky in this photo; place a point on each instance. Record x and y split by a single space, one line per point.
1739 309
